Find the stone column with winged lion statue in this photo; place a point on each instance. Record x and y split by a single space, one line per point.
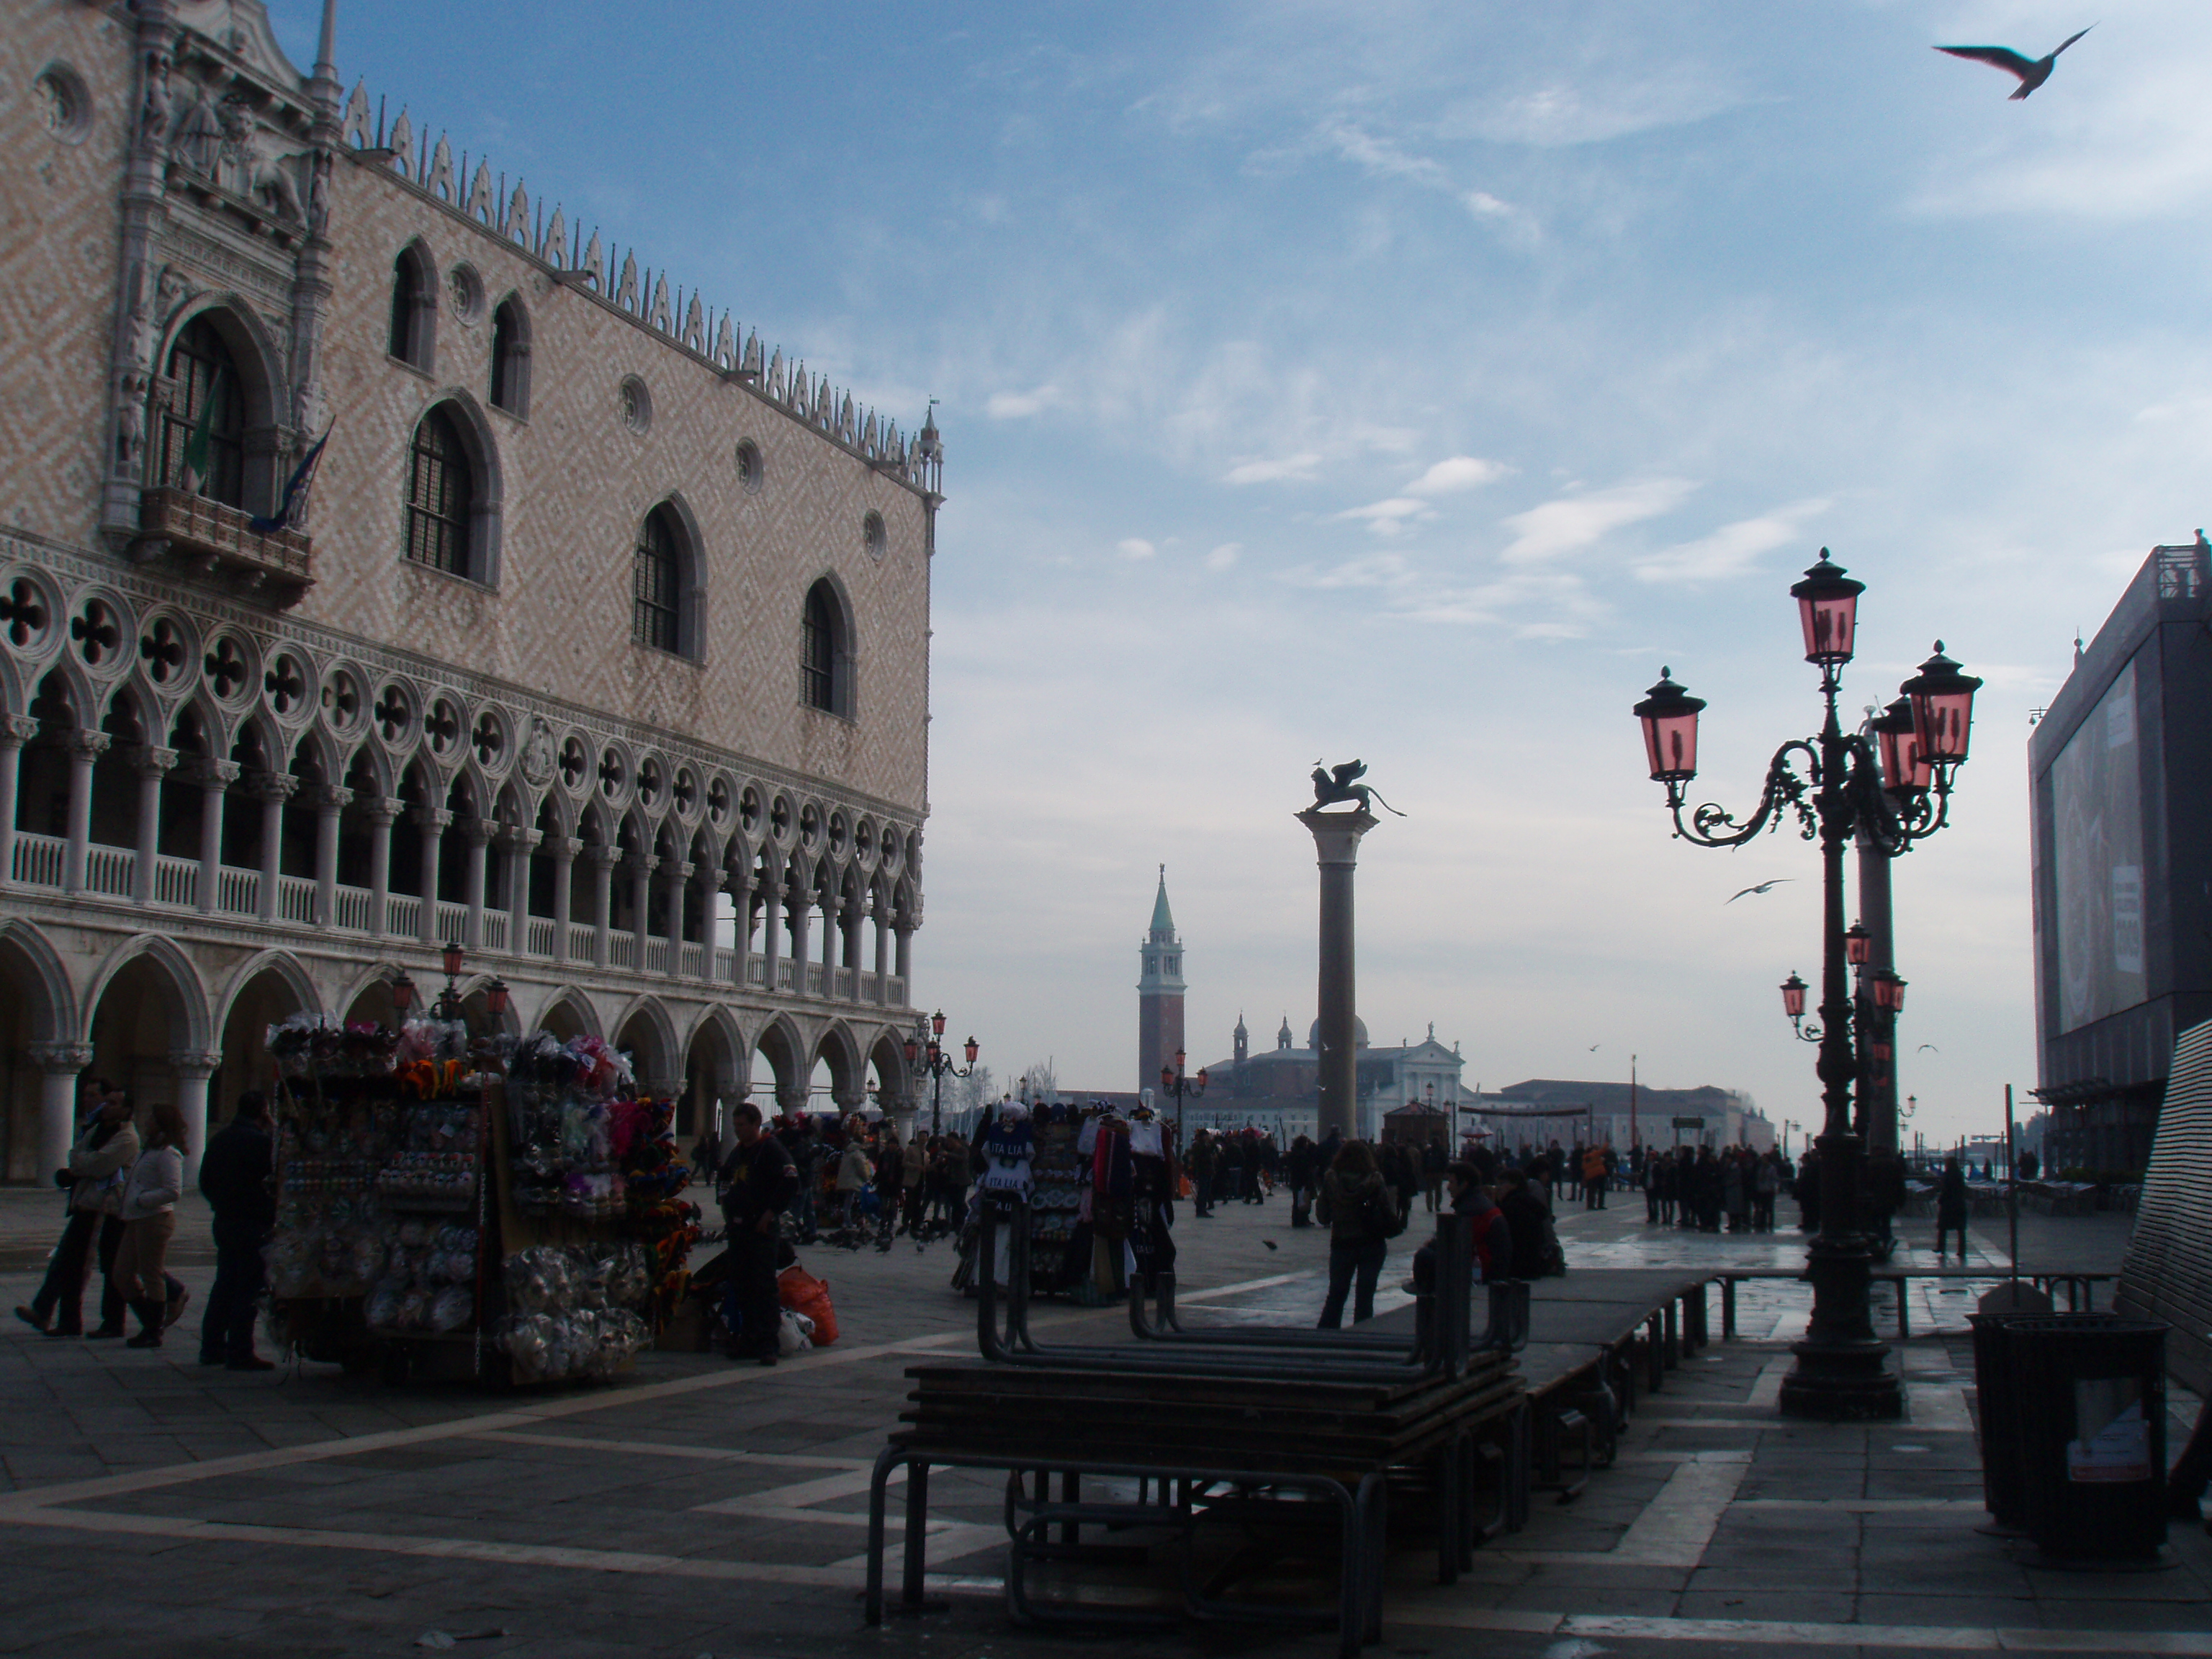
1336 846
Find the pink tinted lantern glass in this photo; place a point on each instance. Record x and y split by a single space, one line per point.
1670 730
1828 607
1905 770
1942 708
1793 997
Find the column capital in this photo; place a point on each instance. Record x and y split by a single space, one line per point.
604 856
199 1063
275 785
330 798
214 774
565 848
382 811
645 864
520 838
791 1101
432 817
17 730
65 1059
88 744
682 870
480 832
150 762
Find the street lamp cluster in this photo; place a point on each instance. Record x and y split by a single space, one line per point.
448 1006
926 1057
1889 786
1173 1083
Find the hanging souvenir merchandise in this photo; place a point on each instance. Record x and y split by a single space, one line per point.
1030 1153
489 1209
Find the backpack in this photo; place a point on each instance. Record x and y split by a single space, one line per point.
1380 1215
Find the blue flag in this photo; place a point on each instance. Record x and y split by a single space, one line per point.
295 490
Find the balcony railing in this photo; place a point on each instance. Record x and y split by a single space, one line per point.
41 861
191 530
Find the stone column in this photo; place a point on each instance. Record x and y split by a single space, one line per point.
903 934
84 749
274 788
15 730
152 765
882 951
679 882
380 814
771 932
193 1069
479 832
1336 846
793 1099
741 926
214 777
565 849
802 908
515 847
432 821
329 800
640 905
603 858
61 1062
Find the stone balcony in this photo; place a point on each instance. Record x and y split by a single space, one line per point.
211 542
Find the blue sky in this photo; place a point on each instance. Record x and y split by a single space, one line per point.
1411 381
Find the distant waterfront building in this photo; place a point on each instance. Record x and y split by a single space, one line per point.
1285 1079
1541 1111
2121 768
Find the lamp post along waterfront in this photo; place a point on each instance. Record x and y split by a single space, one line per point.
1844 790
926 1057
1174 1083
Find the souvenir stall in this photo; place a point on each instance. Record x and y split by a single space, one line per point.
1098 1185
503 1211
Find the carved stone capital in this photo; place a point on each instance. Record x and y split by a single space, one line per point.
86 745
480 832
150 762
520 839
683 870
17 730
645 864
329 798
197 1063
382 811
214 774
435 818
565 848
603 856
66 1059
275 785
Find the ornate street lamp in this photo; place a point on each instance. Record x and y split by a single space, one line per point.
1845 789
926 1058
402 995
1172 1082
449 1001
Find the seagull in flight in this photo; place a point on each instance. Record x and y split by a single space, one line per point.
1929 1048
2033 73
1761 888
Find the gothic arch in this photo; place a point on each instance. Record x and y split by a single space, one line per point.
510 355
691 554
576 1005
789 1056
487 479
847 1060
647 1016
366 984
828 667
54 1014
887 1054
286 968
190 1027
255 350
413 337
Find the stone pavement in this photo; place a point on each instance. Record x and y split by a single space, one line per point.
700 1508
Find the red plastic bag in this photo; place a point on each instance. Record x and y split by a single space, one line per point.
802 1292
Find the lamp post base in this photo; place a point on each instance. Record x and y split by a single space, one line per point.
1841 1375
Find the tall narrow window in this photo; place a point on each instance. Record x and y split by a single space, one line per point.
414 308
439 496
510 358
654 594
203 445
818 649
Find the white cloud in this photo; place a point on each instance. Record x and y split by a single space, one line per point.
1135 547
1574 522
1273 469
1369 570
1020 406
1390 518
1223 556
1447 478
1385 159
1728 551
1611 107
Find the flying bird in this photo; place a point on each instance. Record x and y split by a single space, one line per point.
2033 73
1761 888
1929 1048
1594 1047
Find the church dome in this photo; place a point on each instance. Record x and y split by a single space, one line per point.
1358 1033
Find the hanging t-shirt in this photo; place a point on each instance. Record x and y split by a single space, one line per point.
1007 1149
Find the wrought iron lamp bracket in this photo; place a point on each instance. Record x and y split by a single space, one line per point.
1713 825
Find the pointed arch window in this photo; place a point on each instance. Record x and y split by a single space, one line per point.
825 651
656 590
510 357
203 443
414 308
440 496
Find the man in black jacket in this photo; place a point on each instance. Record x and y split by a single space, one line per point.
235 1180
758 1182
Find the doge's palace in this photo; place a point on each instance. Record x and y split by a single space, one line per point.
387 561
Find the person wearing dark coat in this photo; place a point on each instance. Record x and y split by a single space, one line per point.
757 1182
1950 1207
236 1175
1527 1221
1300 1162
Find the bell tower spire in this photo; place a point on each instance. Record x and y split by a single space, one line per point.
1159 992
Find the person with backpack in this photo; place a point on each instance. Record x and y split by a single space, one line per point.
1363 1217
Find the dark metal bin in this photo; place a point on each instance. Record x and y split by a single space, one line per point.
1996 1395
2092 1423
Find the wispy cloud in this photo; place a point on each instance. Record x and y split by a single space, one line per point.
1273 469
1390 518
1731 550
1223 556
1020 406
1135 547
1384 158
1369 570
1448 478
1571 523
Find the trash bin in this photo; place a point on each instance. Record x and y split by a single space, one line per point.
2092 1423
1996 1394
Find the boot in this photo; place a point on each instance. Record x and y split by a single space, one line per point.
150 1320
